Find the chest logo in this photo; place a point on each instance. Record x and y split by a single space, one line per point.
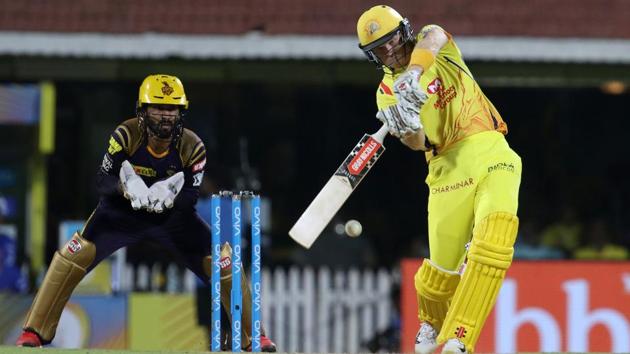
435 86
144 171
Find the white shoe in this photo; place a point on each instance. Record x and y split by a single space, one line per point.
454 346
426 342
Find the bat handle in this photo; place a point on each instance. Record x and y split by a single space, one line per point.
380 134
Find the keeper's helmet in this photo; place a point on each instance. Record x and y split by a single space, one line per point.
161 89
379 25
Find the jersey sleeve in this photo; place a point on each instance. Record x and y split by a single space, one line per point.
107 180
193 154
450 51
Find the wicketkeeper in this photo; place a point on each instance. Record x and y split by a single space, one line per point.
149 183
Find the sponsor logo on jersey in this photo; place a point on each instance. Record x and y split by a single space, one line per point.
197 179
502 166
434 86
199 165
172 169
445 96
453 187
144 171
363 156
166 89
107 163
114 147
74 246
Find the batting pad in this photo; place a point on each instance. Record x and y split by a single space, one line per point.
435 287
489 257
66 270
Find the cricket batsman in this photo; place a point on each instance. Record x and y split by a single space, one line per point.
149 183
430 100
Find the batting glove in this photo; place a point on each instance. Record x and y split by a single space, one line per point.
408 91
400 123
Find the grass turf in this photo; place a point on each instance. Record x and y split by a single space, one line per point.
15 350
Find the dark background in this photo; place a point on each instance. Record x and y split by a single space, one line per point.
571 140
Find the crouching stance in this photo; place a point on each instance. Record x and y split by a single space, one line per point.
149 183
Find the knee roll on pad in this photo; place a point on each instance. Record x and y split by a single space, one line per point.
435 287
493 241
66 270
489 257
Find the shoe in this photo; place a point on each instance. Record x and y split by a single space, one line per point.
426 342
29 339
454 346
266 345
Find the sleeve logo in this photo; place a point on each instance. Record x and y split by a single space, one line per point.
107 163
114 147
199 166
197 179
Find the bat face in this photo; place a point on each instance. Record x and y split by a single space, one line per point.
334 194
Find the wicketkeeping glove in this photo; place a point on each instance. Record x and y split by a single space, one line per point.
133 186
162 194
408 91
400 123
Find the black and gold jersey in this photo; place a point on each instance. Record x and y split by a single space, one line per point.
129 142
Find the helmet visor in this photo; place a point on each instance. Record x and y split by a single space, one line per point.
379 42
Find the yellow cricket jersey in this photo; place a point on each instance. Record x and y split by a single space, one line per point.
456 107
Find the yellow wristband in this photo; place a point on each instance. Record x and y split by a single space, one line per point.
422 57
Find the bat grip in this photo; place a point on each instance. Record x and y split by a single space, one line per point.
380 134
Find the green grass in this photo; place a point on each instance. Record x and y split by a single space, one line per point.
15 350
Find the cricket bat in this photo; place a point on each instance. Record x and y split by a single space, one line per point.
338 188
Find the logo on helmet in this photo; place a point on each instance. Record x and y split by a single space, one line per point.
372 27
166 89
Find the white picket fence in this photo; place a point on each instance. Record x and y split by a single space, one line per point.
307 310
304 309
